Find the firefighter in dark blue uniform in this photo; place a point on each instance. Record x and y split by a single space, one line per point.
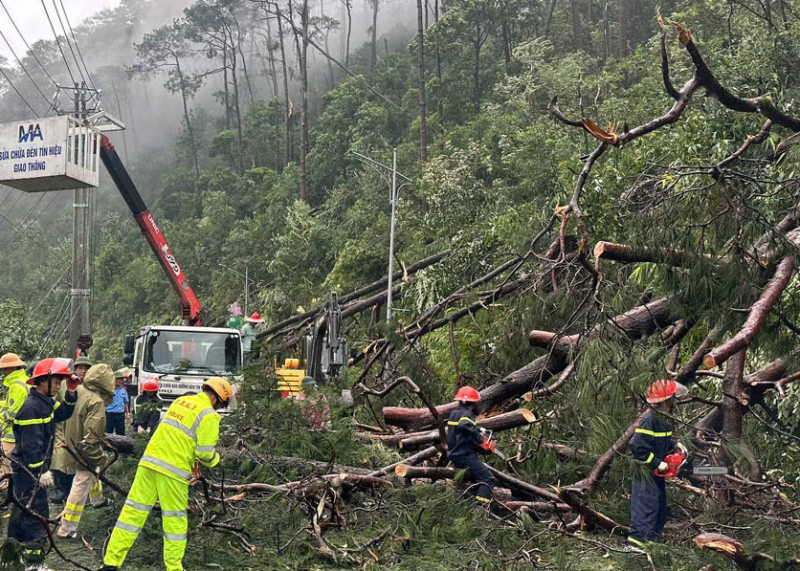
34 428
651 443
464 440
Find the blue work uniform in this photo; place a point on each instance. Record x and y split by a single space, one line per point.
651 443
34 431
464 439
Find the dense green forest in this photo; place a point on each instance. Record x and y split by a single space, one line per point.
242 115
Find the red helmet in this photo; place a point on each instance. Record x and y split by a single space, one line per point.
52 366
151 385
255 318
664 390
467 394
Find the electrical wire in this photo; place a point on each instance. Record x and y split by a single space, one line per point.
60 49
22 65
30 51
14 87
75 41
43 299
69 44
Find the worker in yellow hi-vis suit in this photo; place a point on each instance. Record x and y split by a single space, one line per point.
188 432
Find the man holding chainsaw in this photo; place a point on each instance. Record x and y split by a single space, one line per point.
651 446
465 439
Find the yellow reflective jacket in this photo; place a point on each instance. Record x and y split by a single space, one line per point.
17 384
188 431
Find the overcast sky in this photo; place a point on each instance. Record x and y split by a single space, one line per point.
30 18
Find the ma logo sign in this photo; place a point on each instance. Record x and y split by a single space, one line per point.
33 132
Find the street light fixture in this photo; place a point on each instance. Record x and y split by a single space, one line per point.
394 193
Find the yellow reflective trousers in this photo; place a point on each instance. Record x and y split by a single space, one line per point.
148 487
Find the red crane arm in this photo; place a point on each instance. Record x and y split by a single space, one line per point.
190 305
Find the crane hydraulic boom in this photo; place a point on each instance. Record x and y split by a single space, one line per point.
190 305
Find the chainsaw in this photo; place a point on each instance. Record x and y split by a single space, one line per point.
680 466
488 443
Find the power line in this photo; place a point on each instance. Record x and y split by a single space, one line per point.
69 44
22 65
77 47
14 87
30 50
53 28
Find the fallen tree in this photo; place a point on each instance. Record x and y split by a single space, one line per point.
637 323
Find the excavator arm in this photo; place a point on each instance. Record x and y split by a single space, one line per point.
190 305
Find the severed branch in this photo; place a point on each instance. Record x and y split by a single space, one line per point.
762 104
750 140
603 463
556 112
758 314
665 70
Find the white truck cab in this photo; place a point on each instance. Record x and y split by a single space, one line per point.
182 358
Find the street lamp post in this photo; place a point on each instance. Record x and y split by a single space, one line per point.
394 193
247 282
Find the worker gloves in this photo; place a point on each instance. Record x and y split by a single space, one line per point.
46 480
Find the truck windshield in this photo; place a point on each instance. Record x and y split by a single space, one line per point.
191 352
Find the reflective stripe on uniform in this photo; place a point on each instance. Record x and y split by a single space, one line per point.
468 419
649 459
137 506
166 466
73 507
485 500
204 448
68 516
636 542
175 536
655 434
203 413
173 513
128 527
185 429
31 421
36 464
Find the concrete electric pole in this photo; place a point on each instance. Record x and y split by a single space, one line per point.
80 326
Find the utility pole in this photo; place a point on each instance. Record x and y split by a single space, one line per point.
80 327
392 201
394 193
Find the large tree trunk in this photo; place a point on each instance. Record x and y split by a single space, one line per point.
423 115
374 42
187 118
237 109
304 101
287 112
548 21
271 58
476 71
637 323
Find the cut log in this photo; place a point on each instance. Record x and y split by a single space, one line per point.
637 254
498 423
123 444
523 486
427 472
637 323
420 456
573 498
758 314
